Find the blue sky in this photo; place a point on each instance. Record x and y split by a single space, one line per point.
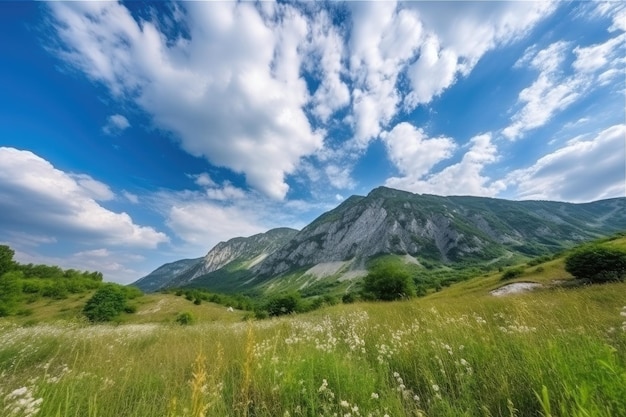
135 134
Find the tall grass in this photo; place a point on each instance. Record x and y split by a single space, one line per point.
551 353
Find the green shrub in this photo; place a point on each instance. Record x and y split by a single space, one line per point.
130 309
185 318
349 298
282 304
512 273
597 263
388 282
261 314
106 303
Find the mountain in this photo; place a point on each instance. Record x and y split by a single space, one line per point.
421 229
445 229
160 277
245 252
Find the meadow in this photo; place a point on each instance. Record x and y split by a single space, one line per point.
553 352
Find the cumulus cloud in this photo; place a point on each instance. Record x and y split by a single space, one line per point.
37 198
116 124
463 178
413 152
580 171
232 91
231 87
560 84
204 224
339 177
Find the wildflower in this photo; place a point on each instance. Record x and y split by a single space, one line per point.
435 387
323 386
374 396
344 404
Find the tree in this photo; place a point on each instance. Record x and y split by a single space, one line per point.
597 263
10 291
106 303
281 304
388 282
6 259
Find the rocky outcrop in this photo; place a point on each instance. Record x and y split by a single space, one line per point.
244 248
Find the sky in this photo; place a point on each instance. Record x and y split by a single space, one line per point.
136 134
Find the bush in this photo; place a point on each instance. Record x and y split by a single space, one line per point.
185 318
388 282
281 304
348 298
106 303
597 263
512 273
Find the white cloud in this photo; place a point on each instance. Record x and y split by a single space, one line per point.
232 89
232 92
432 43
580 171
205 224
339 177
460 33
549 94
37 198
133 198
327 45
383 39
116 124
463 178
94 189
203 180
433 72
595 57
558 86
226 193
413 152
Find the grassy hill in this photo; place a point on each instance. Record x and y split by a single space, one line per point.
556 351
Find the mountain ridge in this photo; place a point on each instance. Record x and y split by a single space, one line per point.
423 228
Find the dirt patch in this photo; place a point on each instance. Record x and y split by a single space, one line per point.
515 288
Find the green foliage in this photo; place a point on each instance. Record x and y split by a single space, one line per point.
388 281
10 291
27 283
106 303
6 259
281 304
512 273
185 318
597 263
539 260
349 298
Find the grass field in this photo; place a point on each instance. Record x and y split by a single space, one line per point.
459 352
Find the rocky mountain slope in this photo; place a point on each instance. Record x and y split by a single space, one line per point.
421 228
247 251
446 229
160 277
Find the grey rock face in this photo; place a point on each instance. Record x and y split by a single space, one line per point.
243 248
